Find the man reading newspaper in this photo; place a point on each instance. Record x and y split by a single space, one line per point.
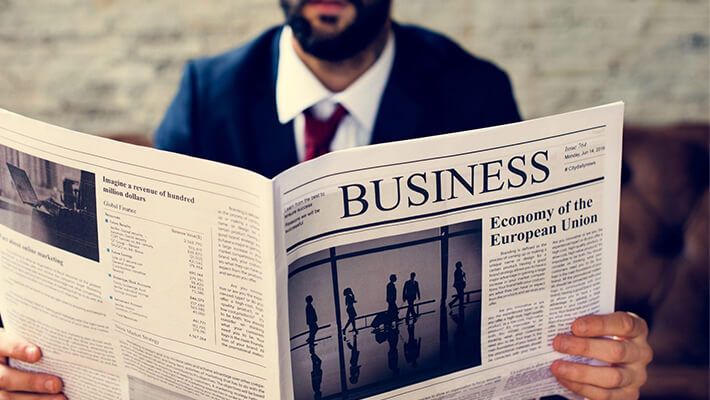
338 74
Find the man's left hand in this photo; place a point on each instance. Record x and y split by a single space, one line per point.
619 339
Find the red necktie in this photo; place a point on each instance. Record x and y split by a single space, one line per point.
319 133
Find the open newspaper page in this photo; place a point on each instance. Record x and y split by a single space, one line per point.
442 268
142 275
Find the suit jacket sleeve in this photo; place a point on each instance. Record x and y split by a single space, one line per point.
500 105
177 130
507 105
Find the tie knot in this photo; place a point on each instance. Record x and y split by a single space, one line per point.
337 115
320 133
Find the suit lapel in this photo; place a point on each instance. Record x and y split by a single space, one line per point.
402 108
398 116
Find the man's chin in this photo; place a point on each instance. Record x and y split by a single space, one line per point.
334 37
326 26
318 34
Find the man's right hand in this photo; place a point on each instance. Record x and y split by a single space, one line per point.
20 385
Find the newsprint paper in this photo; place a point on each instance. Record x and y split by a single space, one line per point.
438 268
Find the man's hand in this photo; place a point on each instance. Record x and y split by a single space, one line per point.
628 354
19 385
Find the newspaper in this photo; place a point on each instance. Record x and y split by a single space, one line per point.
438 268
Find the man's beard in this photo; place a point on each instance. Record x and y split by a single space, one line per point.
368 24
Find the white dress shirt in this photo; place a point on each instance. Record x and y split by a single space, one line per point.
297 90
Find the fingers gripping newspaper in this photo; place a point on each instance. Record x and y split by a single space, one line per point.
438 268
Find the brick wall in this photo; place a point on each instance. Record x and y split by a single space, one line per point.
107 66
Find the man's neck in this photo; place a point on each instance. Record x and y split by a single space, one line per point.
337 76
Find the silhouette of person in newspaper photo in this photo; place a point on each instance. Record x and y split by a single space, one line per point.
459 284
392 311
350 309
410 294
311 320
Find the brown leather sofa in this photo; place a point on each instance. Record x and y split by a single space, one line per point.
663 253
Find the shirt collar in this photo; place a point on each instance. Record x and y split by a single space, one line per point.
297 89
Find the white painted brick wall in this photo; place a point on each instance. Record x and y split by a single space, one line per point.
107 66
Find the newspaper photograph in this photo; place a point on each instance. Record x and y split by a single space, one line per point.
390 290
436 268
28 205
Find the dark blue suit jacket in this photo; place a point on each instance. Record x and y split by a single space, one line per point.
225 108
